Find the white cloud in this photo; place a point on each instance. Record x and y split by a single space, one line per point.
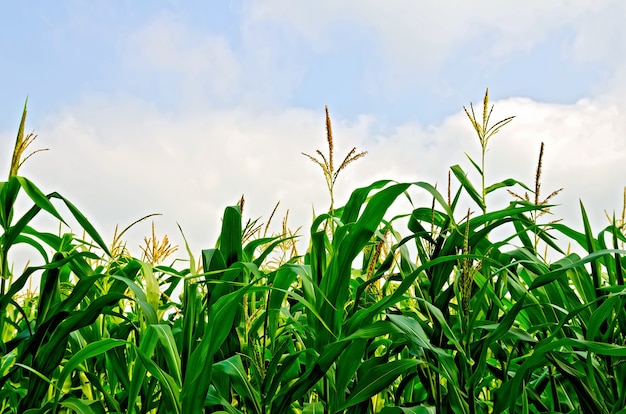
411 43
121 159
583 154
203 60
427 33
599 36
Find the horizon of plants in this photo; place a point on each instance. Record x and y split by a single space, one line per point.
439 309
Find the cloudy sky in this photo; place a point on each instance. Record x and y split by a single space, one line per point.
182 107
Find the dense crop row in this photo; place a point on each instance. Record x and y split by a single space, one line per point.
424 312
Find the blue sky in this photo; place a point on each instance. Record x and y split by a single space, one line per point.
73 48
180 107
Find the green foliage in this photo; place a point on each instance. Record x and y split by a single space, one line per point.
418 313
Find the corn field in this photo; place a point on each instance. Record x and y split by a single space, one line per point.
421 312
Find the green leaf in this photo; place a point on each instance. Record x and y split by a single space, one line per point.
595 272
358 197
415 333
77 406
153 290
509 182
504 326
169 388
318 368
557 273
313 408
140 297
233 368
199 369
336 279
406 410
506 396
230 237
376 380
480 171
38 197
170 350
91 350
349 362
84 223
467 185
